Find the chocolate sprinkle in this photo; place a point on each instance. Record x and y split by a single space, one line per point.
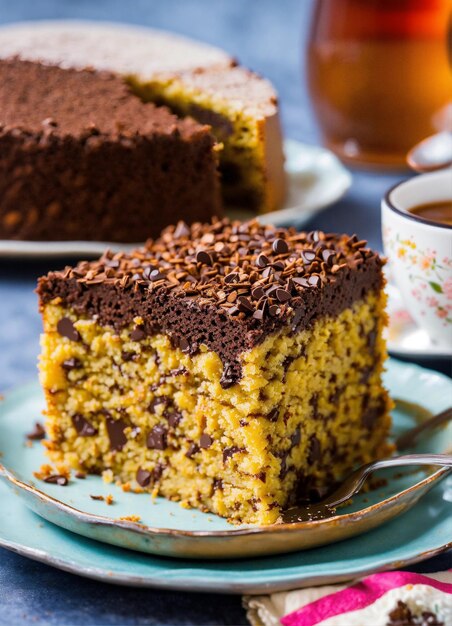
66 328
83 427
115 430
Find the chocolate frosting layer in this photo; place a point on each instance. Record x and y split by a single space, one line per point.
226 285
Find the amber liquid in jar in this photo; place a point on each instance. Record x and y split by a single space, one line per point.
379 76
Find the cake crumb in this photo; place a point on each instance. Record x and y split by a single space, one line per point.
126 487
107 476
37 433
109 499
130 518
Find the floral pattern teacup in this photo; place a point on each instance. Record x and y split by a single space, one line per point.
420 252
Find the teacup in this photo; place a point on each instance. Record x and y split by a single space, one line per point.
420 252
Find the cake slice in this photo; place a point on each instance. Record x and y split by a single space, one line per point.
81 157
193 79
242 110
231 366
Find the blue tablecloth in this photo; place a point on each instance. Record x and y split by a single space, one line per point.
269 37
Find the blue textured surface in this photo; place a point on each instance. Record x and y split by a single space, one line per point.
269 37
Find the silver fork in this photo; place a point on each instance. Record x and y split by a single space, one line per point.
353 483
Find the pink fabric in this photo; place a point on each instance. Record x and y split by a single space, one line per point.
358 597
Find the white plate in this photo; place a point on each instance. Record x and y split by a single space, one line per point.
404 337
316 179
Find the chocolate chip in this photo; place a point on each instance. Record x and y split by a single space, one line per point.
181 230
280 246
244 305
259 314
262 476
296 319
57 479
370 416
273 310
202 256
71 364
173 418
205 441
153 274
66 328
157 438
314 450
282 295
257 293
217 484
99 498
193 448
232 277
137 334
143 477
155 402
283 468
303 282
228 377
115 431
296 437
184 345
80 475
308 256
228 452
262 260
314 280
37 433
329 257
83 427
127 356
273 415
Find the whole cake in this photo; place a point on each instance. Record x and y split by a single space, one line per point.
192 78
231 366
81 157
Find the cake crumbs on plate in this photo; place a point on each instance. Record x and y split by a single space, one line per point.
130 518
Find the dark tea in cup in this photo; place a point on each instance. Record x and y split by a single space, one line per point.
438 212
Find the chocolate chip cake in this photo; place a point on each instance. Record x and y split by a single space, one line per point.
193 79
231 366
81 157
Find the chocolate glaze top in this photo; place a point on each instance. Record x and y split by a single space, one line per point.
227 284
37 99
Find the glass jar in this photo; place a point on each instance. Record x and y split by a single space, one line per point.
379 76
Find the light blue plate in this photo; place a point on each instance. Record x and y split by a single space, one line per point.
424 530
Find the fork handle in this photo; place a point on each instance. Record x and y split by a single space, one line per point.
359 476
